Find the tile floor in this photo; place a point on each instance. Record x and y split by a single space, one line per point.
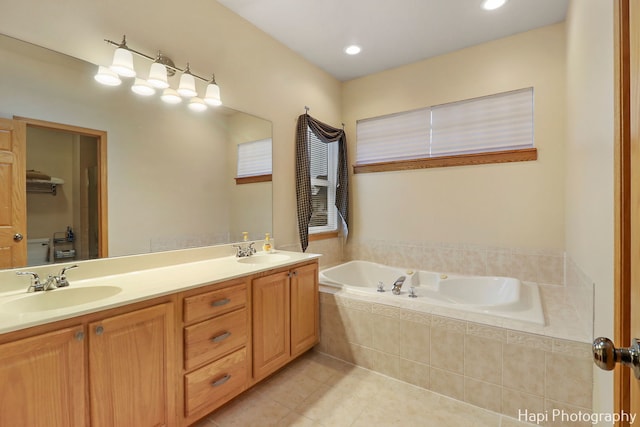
317 390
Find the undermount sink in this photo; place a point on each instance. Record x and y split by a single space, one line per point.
263 259
58 298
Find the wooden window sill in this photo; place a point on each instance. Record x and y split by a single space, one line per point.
323 236
252 179
523 155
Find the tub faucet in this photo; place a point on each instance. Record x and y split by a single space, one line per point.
397 285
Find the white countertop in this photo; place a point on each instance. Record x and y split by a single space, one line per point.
136 285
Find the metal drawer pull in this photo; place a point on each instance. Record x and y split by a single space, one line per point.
221 381
220 302
221 337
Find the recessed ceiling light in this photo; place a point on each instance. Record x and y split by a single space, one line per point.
352 50
493 4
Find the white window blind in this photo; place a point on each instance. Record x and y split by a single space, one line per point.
323 172
396 137
492 123
254 158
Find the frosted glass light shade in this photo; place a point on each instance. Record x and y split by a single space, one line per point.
123 63
197 104
106 76
142 87
212 96
170 96
158 76
187 87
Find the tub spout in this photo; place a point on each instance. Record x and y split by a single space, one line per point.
397 285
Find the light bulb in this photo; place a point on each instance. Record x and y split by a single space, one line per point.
142 87
106 76
352 50
492 4
197 104
170 96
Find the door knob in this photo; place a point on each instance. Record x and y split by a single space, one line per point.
605 355
17 237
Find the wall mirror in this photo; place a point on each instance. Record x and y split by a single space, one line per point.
170 171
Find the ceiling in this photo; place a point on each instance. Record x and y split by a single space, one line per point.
391 33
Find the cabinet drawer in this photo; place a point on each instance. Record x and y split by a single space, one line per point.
209 304
208 340
214 384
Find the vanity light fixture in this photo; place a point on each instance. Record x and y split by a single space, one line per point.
162 67
187 87
212 96
197 104
170 96
123 60
158 72
142 87
107 76
493 4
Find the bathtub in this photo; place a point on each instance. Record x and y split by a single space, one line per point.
503 297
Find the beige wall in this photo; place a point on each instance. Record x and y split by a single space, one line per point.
518 205
589 166
256 74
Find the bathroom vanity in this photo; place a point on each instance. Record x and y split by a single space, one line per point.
156 353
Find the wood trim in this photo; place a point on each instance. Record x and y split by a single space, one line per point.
323 236
622 203
252 179
523 155
101 137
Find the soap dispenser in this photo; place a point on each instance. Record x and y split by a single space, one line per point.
267 243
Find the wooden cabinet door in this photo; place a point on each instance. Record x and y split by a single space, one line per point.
43 380
131 369
13 200
304 309
271 340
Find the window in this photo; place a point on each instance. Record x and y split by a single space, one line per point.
254 161
323 172
489 129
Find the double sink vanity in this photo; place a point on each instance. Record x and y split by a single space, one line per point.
151 340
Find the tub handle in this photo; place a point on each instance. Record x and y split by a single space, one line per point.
380 286
412 292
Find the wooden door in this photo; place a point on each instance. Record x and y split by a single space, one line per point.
13 205
43 380
627 190
634 104
271 339
304 309
131 375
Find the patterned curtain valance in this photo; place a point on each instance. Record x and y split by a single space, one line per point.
327 134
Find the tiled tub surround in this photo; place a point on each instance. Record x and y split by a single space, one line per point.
567 292
538 266
491 366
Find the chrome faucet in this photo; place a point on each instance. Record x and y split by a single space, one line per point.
397 285
53 282
246 250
